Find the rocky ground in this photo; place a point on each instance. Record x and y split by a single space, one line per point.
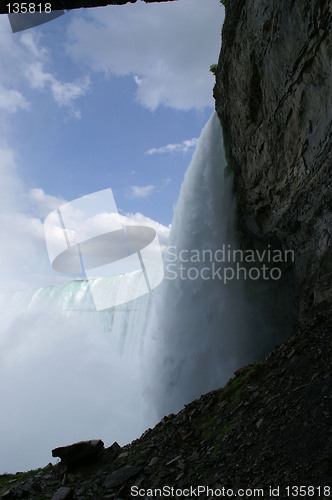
269 426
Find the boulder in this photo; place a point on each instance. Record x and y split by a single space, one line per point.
78 453
120 476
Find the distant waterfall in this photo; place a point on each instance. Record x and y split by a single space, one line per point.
68 373
71 306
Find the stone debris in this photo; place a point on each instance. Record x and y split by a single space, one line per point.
173 460
259 423
153 461
289 355
121 475
63 493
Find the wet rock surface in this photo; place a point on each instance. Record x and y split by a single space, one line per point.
274 99
269 426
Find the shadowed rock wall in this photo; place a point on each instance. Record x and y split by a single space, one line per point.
273 97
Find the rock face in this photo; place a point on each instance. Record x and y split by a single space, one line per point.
274 99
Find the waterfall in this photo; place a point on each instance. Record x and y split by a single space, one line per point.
213 312
197 325
69 372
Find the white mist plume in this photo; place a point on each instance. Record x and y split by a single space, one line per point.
69 373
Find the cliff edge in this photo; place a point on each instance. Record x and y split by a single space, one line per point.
274 100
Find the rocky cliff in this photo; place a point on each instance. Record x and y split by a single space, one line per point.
273 97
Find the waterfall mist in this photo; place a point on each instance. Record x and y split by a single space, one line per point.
70 373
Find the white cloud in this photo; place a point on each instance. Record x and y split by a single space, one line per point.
101 223
36 75
43 203
10 186
142 191
182 147
25 60
23 256
12 100
81 225
64 93
167 48
31 40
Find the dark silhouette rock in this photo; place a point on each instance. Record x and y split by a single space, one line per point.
111 452
78 453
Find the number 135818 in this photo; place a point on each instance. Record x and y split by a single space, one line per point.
23 8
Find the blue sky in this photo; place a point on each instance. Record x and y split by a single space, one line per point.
114 98
109 97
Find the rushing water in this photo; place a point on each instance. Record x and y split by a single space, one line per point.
68 372
198 325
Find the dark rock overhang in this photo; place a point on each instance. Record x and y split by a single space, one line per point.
77 4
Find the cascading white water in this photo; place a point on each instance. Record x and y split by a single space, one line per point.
198 324
208 318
